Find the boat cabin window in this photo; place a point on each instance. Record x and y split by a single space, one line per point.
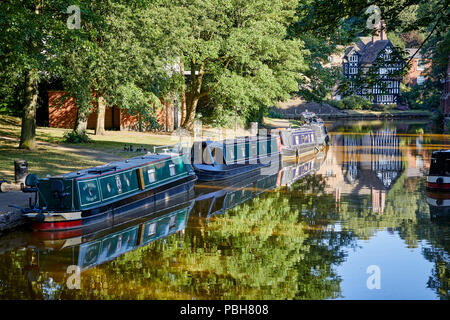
217 154
440 166
151 175
172 222
172 169
151 229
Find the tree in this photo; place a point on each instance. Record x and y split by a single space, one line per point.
31 34
113 60
236 52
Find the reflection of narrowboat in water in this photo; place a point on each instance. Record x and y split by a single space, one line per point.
292 172
308 138
86 250
439 204
212 200
93 195
439 175
218 160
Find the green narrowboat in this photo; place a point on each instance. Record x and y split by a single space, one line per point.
93 195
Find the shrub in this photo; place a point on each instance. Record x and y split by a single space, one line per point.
76 137
336 103
352 102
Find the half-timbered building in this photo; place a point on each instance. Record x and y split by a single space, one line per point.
372 69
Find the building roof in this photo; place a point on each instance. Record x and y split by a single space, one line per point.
371 51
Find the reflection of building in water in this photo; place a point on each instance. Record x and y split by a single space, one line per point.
367 164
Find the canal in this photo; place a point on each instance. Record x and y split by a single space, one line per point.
353 221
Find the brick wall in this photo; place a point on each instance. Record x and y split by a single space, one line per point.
414 72
63 115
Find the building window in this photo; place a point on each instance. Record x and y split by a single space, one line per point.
420 80
421 65
354 58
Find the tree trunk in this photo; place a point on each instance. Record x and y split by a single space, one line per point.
194 95
81 121
190 116
183 96
28 131
100 126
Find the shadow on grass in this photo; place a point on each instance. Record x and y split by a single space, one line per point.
42 161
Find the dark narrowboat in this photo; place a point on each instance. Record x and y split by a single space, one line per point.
219 160
439 174
92 195
309 137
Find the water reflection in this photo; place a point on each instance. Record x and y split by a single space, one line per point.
306 230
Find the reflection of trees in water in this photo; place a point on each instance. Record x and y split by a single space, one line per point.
262 249
280 245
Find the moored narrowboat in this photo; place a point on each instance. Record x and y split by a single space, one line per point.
309 137
218 160
439 174
92 195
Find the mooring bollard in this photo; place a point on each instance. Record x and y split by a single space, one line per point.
20 171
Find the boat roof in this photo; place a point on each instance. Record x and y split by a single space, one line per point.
445 153
116 166
219 144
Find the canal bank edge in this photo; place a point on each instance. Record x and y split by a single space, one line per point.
362 116
11 218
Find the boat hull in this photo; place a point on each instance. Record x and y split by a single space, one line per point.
142 201
207 173
438 183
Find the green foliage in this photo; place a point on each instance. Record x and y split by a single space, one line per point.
425 96
352 102
76 137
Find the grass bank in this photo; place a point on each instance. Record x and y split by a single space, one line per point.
53 156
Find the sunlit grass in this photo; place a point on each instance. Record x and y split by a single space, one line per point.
44 160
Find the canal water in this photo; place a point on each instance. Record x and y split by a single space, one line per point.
353 221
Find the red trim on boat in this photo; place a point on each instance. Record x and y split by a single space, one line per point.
438 185
57 225
438 195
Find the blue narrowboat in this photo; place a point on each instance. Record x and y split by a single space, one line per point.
309 137
218 160
92 195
